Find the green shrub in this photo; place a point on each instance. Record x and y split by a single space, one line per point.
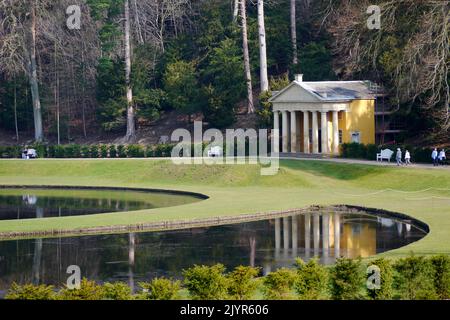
30 292
112 151
206 283
241 282
117 291
149 152
67 151
11 152
312 280
353 150
93 151
163 150
89 290
160 289
121 151
414 278
347 279
40 149
103 151
51 152
385 291
278 285
441 275
85 151
135 151
72 151
371 152
3 152
60 151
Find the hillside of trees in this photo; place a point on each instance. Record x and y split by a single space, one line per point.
132 61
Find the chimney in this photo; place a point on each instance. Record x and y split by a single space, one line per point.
299 77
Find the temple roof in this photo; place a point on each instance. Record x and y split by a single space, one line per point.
332 91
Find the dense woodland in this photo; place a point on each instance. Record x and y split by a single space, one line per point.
131 61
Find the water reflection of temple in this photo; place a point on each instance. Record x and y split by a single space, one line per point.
325 235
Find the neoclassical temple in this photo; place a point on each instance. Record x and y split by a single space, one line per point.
316 117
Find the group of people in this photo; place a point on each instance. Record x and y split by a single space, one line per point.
438 157
398 157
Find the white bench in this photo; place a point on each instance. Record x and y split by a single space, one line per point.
385 154
215 152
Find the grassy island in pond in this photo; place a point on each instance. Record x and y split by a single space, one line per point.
423 194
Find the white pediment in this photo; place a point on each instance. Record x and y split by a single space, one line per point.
295 93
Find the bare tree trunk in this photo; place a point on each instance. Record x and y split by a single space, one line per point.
262 47
15 110
58 123
32 74
83 92
294 33
235 10
138 23
74 83
248 74
131 129
57 98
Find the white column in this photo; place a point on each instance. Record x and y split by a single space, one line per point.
335 132
337 235
306 132
293 132
325 233
277 234
286 233
315 133
294 235
285 129
316 233
307 235
324 129
276 129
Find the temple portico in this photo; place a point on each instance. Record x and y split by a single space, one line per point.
316 117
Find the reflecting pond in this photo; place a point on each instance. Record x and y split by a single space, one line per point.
268 244
28 203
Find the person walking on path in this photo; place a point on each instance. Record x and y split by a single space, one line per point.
434 156
442 157
399 157
407 157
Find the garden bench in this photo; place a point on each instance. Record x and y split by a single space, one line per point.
215 152
385 154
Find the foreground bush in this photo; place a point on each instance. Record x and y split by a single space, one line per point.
117 291
347 279
312 280
279 285
385 292
409 278
241 283
206 283
89 290
415 279
441 276
160 289
30 292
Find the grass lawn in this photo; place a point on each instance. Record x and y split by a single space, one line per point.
240 189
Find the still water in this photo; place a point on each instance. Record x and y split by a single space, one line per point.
28 203
268 244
